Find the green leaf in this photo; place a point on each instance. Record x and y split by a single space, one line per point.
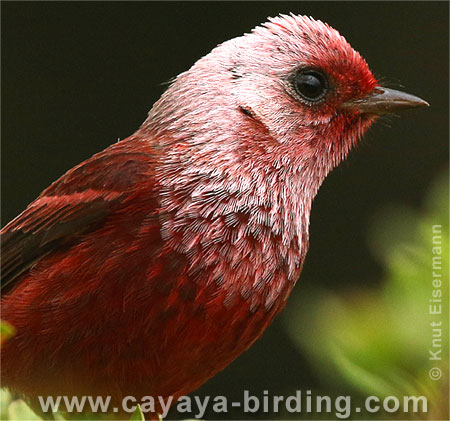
19 410
6 331
362 377
137 414
5 399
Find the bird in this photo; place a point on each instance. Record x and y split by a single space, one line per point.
151 266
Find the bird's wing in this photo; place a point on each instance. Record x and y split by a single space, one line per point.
77 203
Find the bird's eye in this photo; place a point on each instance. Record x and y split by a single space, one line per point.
311 85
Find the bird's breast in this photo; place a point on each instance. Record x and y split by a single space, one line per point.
244 247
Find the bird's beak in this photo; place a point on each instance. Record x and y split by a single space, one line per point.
385 101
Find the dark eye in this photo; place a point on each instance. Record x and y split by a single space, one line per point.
311 85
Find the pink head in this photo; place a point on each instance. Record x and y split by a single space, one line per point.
291 94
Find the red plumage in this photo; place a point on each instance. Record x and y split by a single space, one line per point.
152 265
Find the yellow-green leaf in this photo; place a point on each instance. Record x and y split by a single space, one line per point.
137 414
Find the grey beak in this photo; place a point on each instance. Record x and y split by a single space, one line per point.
385 101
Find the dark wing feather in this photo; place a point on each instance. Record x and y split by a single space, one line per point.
44 227
74 205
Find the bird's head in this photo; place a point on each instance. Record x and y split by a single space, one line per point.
292 90
305 83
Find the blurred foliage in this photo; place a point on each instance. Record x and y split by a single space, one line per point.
137 415
6 331
378 341
15 409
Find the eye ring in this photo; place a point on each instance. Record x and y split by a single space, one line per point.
310 84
